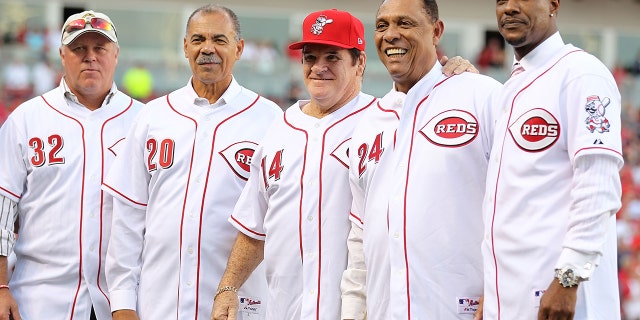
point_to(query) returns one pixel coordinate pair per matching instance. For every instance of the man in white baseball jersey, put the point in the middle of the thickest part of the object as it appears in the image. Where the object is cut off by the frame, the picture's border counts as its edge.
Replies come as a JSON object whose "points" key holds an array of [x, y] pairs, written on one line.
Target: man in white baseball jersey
{"points": [[553, 185], [294, 211], [54, 152], [184, 165], [417, 168]]}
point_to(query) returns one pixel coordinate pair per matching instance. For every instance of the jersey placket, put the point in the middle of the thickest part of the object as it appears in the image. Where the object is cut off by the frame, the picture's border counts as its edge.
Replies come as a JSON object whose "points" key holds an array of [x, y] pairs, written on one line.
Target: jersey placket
{"points": [[310, 225], [397, 202], [91, 204], [191, 222]]}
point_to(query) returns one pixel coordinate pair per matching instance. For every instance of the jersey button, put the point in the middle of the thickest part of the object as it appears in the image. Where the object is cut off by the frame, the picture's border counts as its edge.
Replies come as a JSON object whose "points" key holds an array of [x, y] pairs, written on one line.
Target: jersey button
{"points": [[310, 218]]}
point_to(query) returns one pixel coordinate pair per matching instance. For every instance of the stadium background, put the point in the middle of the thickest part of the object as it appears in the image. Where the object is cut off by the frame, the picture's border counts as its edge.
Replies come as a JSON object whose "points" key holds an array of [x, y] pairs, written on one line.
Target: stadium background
{"points": [[150, 35]]}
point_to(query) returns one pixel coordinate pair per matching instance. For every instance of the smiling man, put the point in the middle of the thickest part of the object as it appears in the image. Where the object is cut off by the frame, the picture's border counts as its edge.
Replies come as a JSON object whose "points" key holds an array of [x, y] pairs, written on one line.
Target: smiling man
{"points": [[54, 152], [417, 170], [294, 211], [183, 167]]}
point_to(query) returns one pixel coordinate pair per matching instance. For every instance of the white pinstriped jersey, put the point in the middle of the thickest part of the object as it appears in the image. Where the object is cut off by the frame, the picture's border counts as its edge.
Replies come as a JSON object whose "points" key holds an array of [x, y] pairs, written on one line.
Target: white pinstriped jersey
{"points": [[563, 106], [419, 202], [297, 200], [53, 157], [184, 167]]}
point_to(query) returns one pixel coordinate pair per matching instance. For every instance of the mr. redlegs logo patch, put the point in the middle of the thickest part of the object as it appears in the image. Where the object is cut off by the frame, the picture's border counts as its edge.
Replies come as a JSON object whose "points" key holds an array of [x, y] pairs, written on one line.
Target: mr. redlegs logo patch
{"points": [[238, 156], [536, 130], [451, 128]]}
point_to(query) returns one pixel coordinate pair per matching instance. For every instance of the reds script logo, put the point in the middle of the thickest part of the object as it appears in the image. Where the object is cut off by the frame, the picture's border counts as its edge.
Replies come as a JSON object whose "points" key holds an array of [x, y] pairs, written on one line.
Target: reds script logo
{"points": [[536, 130], [451, 128], [238, 156], [341, 153]]}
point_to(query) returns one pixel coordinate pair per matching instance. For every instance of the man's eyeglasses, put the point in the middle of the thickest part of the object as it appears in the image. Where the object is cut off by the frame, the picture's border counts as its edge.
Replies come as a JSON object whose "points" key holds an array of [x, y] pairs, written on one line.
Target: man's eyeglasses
{"points": [[96, 23]]}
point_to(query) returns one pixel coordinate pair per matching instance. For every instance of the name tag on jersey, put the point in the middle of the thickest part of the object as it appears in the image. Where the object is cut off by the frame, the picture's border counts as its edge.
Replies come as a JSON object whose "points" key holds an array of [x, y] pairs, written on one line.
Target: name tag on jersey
{"points": [[250, 306], [468, 304]]}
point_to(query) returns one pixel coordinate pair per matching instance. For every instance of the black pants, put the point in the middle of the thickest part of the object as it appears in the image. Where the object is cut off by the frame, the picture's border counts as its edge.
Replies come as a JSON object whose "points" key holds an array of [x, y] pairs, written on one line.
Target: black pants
{"points": [[93, 315]]}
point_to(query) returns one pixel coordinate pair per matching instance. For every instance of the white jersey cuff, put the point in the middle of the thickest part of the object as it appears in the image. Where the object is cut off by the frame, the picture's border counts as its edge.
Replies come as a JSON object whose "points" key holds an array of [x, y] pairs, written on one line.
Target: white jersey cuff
{"points": [[583, 264], [123, 300]]}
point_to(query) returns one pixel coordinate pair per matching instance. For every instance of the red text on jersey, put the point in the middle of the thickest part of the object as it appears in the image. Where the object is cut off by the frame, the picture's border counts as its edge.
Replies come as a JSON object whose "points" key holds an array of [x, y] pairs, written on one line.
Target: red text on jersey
{"points": [[238, 156], [366, 154], [451, 128], [165, 152], [275, 168], [39, 158], [535, 130]]}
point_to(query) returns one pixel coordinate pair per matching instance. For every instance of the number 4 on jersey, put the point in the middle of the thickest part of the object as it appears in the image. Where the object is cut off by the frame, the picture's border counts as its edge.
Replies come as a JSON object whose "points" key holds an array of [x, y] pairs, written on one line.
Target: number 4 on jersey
{"points": [[368, 154], [275, 169]]}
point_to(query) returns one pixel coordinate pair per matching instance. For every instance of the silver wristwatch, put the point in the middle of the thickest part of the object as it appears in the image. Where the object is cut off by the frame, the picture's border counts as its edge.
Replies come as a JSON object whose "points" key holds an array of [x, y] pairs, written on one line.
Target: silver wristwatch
{"points": [[567, 277]]}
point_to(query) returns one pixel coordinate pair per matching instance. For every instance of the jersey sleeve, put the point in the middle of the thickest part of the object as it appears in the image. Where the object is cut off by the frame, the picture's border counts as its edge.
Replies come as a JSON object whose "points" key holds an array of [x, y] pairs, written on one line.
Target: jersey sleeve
{"points": [[8, 214], [124, 255], [353, 283], [128, 178], [593, 106], [251, 208], [13, 152], [595, 198]]}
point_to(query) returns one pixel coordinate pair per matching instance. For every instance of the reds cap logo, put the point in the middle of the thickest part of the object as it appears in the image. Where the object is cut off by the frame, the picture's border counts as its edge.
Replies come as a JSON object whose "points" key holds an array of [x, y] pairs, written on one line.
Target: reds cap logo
{"points": [[341, 153], [238, 156], [321, 21], [536, 130], [452, 128]]}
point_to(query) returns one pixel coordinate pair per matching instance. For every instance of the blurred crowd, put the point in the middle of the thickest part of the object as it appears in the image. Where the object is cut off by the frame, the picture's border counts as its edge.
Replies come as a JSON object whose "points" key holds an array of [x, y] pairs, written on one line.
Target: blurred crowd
{"points": [[26, 67], [29, 66], [629, 215]]}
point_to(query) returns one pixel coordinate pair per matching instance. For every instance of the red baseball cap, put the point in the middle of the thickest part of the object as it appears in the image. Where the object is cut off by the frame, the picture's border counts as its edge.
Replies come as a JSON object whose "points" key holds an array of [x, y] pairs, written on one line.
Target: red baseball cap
{"points": [[332, 27]]}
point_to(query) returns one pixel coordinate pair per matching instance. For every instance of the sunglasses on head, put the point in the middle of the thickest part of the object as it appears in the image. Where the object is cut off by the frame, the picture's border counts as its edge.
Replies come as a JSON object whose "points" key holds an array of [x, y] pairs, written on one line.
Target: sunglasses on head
{"points": [[96, 23]]}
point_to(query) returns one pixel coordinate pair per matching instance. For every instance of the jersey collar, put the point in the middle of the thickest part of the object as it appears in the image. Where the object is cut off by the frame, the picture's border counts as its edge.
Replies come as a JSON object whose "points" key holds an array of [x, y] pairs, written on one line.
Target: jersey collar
{"points": [[73, 98], [231, 93], [542, 53]]}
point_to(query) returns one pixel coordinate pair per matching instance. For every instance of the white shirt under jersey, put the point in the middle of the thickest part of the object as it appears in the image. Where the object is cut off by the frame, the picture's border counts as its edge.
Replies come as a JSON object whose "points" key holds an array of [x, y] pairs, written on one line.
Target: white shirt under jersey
{"points": [[54, 154], [417, 175], [543, 209], [184, 165], [297, 200]]}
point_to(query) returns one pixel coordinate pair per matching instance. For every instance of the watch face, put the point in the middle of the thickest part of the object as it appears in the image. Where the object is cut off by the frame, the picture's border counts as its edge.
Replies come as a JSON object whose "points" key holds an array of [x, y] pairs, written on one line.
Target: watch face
{"points": [[567, 277]]}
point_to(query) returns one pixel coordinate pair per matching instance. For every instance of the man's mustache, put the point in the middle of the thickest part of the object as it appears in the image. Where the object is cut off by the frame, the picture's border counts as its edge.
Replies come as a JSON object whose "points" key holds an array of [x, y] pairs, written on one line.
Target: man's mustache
{"points": [[208, 59]]}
